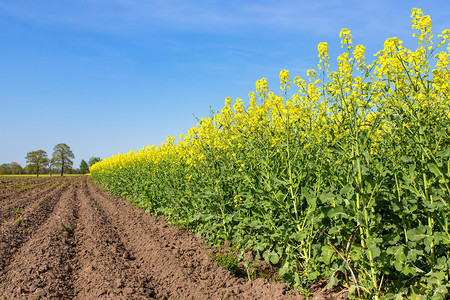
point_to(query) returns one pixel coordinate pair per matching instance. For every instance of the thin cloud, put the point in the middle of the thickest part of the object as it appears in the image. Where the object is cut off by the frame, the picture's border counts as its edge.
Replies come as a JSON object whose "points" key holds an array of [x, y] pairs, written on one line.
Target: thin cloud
{"points": [[200, 16]]}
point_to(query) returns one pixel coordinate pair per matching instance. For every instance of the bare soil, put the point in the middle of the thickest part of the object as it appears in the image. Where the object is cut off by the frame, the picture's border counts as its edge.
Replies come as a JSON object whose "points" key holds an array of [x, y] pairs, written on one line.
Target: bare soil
{"points": [[66, 238]]}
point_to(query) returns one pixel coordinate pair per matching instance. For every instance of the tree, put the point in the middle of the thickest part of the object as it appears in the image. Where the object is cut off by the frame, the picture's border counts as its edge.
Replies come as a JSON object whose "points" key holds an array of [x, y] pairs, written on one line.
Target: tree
{"points": [[29, 169], [16, 168], [84, 167], [93, 160], [62, 157], [5, 169], [36, 160], [51, 163]]}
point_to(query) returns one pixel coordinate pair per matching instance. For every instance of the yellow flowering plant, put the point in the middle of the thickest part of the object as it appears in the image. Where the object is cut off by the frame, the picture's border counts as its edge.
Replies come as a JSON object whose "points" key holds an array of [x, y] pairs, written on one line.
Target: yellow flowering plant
{"points": [[346, 180]]}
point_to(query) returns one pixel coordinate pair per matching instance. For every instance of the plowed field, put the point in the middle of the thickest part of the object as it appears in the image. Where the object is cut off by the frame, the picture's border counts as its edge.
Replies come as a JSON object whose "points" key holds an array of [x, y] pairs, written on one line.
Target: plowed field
{"points": [[65, 238]]}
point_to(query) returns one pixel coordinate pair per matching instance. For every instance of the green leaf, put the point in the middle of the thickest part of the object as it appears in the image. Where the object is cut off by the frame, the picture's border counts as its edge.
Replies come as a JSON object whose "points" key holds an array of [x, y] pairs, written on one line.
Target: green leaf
{"points": [[441, 237], [285, 269], [367, 156], [375, 250], [327, 197], [312, 201], [363, 167], [409, 188], [434, 169], [368, 185], [400, 257], [346, 189], [398, 266], [442, 133], [406, 159], [406, 270], [327, 254], [413, 254], [300, 236], [297, 278], [313, 275], [334, 230], [417, 234], [399, 296], [444, 153], [428, 241], [337, 211], [336, 150], [333, 281], [274, 179], [274, 258]]}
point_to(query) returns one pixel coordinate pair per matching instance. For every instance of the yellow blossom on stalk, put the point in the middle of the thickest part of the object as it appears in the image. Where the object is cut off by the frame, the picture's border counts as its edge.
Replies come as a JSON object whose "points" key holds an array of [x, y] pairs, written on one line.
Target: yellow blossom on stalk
{"points": [[390, 59], [346, 37], [312, 95], [284, 75], [391, 44], [311, 73], [300, 83], [284, 79], [445, 38], [323, 51], [251, 96], [442, 60], [323, 55], [262, 88], [422, 24], [344, 66], [239, 106], [441, 75], [359, 53], [261, 85]]}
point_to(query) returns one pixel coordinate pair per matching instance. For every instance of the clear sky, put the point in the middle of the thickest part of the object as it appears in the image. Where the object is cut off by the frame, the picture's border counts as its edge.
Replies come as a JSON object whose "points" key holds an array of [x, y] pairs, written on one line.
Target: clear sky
{"points": [[109, 76]]}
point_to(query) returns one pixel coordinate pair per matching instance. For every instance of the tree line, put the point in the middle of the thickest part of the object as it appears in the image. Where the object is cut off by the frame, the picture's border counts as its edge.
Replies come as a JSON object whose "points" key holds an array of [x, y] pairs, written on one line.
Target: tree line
{"points": [[38, 162]]}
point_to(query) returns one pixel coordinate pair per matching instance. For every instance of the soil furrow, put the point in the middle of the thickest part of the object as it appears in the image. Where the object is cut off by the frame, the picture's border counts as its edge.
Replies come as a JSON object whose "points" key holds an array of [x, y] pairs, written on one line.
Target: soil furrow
{"points": [[14, 234], [13, 207], [106, 268], [8, 188], [41, 268]]}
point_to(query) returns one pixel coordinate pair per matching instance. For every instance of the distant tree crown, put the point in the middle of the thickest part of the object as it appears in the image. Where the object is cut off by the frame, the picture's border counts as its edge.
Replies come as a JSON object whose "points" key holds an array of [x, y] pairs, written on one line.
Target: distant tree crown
{"points": [[62, 157]]}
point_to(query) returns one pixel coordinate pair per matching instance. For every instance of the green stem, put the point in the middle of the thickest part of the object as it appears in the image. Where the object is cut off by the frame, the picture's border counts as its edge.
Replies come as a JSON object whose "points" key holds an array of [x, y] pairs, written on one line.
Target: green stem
{"points": [[429, 199], [361, 230], [291, 181], [291, 190], [358, 194], [399, 201], [223, 221], [366, 216]]}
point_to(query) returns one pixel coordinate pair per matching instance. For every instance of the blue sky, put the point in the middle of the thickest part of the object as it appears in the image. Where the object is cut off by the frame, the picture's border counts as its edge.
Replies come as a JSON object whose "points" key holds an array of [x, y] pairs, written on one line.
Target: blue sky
{"points": [[109, 76]]}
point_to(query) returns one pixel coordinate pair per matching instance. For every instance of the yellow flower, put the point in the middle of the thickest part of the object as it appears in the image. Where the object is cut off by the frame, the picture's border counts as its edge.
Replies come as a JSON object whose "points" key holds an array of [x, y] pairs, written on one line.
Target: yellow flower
{"points": [[358, 53], [346, 37], [284, 80], [261, 85], [323, 51], [284, 75]]}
